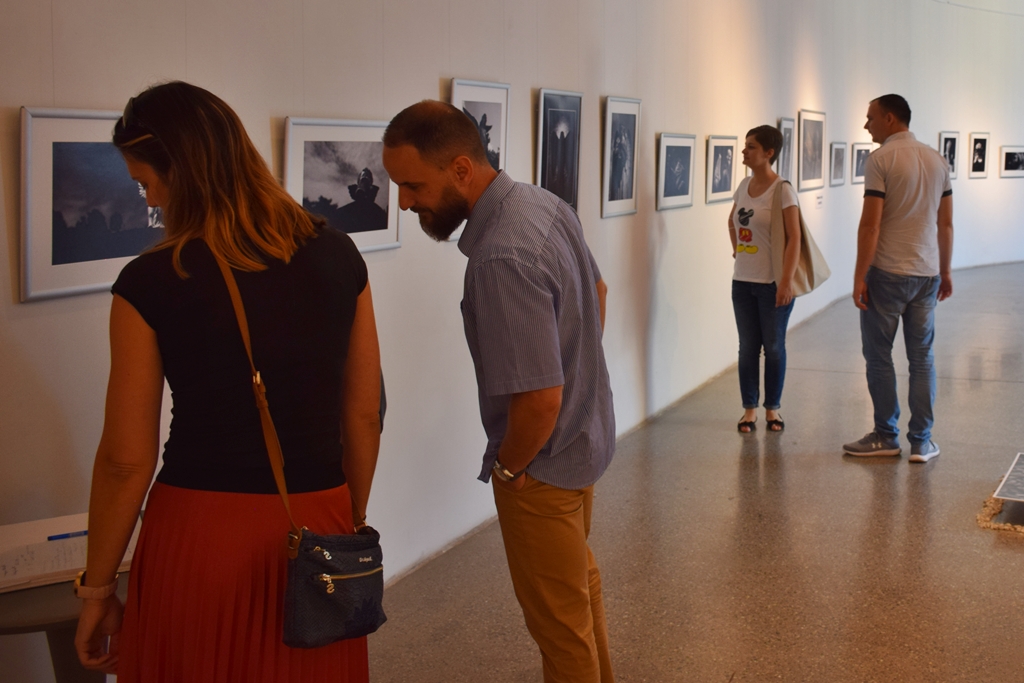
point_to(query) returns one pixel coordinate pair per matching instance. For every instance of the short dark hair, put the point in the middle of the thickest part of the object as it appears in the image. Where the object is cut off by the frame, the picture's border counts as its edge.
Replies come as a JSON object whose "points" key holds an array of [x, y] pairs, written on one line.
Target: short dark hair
{"points": [[769, 137], [438, 131], [895, 105]]}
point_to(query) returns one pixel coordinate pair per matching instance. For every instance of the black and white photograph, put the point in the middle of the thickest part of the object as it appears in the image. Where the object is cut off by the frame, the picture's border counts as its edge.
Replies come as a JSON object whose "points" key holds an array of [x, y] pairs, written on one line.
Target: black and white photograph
{"points": [[621, 132], [784, 164], [676, 154], [83, 217], [721, 159], [334, 169], [487, 105], [949, 146], [978, 164], [838, 155], [486, 116], [99, 212], [341, 182], [1011, 161], [859, 152], [558, 143], [811, 166]]}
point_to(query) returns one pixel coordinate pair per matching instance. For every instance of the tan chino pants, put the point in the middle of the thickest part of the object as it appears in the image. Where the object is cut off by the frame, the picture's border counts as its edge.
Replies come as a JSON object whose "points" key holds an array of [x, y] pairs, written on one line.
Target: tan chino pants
{"points": [[556, 579]]}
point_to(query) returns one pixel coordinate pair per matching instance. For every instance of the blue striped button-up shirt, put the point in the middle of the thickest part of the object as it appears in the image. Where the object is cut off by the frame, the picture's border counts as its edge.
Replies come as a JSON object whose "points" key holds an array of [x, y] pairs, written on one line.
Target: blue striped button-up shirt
{"points": [[533, 321]]}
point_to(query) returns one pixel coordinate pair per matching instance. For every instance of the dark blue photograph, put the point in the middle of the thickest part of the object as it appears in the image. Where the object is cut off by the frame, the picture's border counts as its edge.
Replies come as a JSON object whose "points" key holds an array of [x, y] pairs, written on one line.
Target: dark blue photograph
{"points": [[99, 212]]}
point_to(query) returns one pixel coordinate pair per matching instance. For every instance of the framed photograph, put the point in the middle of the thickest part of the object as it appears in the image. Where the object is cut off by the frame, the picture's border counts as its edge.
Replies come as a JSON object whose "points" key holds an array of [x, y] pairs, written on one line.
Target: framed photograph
{"points": [[949, 145], [83, 218], [721, 158], [334, 169], [858, 161], [486, 104], [676, 157], [558, 143], [811, 167], [784, 164], [1011, 161], [838, 174], [979, 156], [621, 133]]}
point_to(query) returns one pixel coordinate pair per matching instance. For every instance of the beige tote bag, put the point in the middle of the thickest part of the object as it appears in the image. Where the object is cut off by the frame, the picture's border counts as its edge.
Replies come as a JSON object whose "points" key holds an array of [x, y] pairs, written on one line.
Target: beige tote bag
{"points": [[812, 269]]}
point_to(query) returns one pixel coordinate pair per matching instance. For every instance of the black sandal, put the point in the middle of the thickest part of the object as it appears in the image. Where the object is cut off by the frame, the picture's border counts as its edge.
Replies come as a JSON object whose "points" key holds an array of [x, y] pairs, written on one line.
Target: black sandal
{"points": [[750, 427], [776, 425]]}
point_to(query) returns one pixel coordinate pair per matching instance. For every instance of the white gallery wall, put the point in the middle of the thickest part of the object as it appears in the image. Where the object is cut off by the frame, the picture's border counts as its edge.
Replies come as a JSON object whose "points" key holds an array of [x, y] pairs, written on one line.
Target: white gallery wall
{"points": [[704, 68]]}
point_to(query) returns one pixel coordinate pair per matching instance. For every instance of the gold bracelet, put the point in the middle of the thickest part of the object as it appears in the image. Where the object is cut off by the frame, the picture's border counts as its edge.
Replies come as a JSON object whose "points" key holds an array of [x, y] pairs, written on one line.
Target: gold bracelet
{"points": [[92, 593]]}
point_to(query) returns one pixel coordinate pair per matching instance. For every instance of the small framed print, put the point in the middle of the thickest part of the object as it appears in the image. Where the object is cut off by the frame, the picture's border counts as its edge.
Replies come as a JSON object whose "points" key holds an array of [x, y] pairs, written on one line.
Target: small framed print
{"points": [[978, 167], [859, 152], [784, 164], [333, 168], [811, 171], [721, 158], [1011, 161], [949, 147], [621, 132], [486, 104], [558, 143], [83, 218], [838, 156], [676, 157]]}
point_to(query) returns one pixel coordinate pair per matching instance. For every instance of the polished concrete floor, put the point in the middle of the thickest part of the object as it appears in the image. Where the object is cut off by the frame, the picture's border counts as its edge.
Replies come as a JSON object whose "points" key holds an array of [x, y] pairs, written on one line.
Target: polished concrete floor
{"points": [[773, 557]]}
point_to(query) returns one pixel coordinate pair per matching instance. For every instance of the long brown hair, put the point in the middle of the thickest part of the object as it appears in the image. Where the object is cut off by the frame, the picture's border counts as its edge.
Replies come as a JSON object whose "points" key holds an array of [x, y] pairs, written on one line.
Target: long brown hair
{"points": [[220, 189]]}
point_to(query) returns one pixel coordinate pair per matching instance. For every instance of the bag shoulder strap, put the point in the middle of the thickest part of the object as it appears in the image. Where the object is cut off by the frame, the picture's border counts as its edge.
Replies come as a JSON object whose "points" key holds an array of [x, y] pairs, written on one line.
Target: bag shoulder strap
{"points": [[260, 392]]}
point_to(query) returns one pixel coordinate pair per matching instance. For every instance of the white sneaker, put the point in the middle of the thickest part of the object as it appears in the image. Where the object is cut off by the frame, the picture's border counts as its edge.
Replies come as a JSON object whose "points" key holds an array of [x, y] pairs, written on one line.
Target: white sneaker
{"points": [[923, 452]]}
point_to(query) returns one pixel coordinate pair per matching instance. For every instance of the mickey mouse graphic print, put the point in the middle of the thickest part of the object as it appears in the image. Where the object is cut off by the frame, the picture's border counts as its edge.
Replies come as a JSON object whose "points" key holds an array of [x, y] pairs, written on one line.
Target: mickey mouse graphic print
{"points": [[752, 217]]}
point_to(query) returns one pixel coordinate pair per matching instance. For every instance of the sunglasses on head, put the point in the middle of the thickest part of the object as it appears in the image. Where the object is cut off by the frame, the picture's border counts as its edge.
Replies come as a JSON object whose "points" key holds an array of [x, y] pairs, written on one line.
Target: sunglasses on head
{"points": [[130, 120]]}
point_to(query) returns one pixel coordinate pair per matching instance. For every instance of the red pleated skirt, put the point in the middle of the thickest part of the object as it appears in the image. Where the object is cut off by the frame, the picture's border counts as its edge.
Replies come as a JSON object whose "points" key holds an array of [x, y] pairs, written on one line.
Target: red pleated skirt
{"points": [[206, 591]]}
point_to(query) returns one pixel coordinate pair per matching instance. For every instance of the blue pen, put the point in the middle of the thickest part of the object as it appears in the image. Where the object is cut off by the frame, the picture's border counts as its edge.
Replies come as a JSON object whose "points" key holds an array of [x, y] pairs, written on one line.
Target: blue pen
{"points": [[73, 534]]}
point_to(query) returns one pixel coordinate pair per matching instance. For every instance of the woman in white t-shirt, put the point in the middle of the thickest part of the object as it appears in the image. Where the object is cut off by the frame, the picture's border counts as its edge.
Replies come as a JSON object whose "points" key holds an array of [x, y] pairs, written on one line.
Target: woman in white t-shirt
{"points": [[761, 298]]}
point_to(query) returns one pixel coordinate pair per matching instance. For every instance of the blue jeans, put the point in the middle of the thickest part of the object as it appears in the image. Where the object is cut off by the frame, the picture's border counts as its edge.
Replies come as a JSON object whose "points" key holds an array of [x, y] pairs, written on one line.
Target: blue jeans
{"points": [[760, 325], [891, 297]]}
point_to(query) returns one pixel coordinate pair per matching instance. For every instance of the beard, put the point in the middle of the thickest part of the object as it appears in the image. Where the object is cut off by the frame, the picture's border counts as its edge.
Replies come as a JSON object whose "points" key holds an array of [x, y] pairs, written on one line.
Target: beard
{"points": [[441, 222]]}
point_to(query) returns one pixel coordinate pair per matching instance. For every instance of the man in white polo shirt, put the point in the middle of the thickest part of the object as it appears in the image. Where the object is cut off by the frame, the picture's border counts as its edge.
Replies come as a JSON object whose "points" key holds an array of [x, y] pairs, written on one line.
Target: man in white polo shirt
{"points": [[904, 249]]}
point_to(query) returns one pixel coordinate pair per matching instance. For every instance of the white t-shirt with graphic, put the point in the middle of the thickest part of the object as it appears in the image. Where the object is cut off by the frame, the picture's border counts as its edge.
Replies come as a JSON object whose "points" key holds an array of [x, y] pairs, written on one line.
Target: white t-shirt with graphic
{"points": [[752, 219]]}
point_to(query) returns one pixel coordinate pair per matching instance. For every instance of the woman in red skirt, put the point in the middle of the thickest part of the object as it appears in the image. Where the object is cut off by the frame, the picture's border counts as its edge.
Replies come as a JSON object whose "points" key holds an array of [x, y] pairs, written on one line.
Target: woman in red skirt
{"points": [[206, 593]]}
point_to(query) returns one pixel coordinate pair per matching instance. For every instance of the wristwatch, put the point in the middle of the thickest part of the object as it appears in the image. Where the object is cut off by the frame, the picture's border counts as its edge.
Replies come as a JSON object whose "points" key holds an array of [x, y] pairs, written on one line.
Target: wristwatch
{"points": [[502, 473], [91, 593]]}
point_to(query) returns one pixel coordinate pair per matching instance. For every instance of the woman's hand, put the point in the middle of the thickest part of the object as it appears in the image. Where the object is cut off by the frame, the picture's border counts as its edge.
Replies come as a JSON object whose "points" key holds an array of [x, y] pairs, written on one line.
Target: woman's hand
{"points": [[98, 621], [783, 294]]}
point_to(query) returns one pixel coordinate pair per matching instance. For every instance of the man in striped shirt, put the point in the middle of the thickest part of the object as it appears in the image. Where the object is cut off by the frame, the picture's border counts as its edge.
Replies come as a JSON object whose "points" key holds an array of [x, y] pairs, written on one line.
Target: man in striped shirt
{"points": [[533, 309]]}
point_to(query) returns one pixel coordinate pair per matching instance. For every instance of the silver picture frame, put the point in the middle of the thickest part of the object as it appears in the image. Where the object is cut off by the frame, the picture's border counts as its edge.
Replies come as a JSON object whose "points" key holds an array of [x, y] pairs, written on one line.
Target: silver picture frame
{"points": [[83, 218], [621, 153], [720, 162], [811, 155], [677, 161], [333, 168]]}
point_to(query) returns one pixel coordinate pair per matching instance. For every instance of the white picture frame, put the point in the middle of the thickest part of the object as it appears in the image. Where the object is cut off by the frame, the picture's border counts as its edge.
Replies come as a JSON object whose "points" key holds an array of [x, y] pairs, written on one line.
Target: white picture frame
{"points": [[837, 164], [621, 152], [559, 117], [811, 157], [1011, 161], [677, 159], [949, 148], [327, 158], [74, 188], [784, 165], [979, 152], [720, 162], [859, 152]]}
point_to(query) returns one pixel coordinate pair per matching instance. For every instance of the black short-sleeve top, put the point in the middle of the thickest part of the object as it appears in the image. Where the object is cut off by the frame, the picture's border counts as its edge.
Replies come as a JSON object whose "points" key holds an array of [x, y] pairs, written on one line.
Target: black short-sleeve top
{"points": [[300, 317]]}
